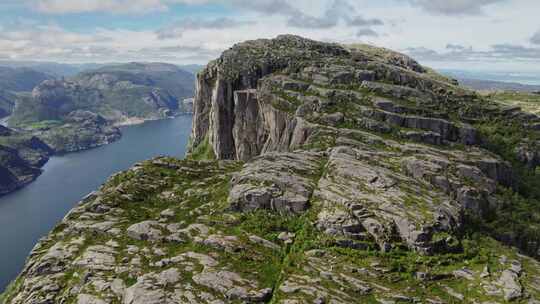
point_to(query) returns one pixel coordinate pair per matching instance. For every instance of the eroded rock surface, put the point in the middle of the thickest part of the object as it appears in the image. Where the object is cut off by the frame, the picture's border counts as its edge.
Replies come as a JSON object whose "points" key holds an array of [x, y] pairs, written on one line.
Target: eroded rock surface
{"points": [[341, 175]]}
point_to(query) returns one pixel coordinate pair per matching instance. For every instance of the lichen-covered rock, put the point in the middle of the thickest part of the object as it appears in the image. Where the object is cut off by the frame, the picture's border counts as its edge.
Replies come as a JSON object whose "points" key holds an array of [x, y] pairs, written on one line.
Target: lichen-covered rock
{"points": [[147, 230], [340, 175], [279, 182]]}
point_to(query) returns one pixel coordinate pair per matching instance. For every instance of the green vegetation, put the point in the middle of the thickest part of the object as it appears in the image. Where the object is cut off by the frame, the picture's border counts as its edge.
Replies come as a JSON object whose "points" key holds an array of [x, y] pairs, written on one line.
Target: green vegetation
{"points": [[44, 124], [369, 217], [528, 102], [517, 214], [203, 151], [20, 79], [116, 92]]}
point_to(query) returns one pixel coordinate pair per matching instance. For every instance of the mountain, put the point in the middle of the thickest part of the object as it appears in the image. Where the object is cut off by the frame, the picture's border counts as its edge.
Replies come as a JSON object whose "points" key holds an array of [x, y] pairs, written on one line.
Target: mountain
{"points": [[79, 130], [69, 70], [7, 103], [111, 95], [318, 173], [14, 80], [119, 93], [21, 157], [192, 68], [20, 79], [496, 80], [52, 68], [529, 102], [490, 85]]}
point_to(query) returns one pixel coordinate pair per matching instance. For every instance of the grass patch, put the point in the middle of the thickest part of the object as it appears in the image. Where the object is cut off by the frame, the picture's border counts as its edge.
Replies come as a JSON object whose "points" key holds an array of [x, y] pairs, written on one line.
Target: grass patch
{"points": [[203, 151]]}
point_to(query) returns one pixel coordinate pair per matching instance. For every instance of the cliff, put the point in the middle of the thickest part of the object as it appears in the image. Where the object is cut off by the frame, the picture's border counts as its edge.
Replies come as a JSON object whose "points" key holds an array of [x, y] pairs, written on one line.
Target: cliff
{"points": [[341, 174], [21, 157]]}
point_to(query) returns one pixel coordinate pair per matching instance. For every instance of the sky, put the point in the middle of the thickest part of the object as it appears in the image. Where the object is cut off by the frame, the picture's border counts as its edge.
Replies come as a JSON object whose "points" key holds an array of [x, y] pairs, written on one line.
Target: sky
{"points": [[461, 34]]}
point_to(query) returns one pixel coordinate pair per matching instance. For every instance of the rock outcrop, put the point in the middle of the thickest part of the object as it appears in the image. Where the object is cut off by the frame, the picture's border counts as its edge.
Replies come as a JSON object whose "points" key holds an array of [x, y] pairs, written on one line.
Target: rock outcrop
{"points": [[339, 175], [21, 157], [81, 130]]}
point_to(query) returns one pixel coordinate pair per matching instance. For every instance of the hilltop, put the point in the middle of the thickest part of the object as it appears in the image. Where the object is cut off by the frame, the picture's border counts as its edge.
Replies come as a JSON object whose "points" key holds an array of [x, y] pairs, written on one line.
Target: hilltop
{"points": [[318, 173]]}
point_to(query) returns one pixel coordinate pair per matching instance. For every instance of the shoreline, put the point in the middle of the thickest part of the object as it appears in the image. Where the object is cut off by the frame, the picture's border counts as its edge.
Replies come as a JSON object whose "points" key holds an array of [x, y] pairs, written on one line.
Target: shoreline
{"points": [[128, 123], [137, 120], [155, 137]]}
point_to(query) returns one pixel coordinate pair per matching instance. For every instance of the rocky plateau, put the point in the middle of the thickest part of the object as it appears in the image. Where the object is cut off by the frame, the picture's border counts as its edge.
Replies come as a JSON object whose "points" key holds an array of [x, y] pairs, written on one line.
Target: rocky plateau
{"points": [[317, 173]]}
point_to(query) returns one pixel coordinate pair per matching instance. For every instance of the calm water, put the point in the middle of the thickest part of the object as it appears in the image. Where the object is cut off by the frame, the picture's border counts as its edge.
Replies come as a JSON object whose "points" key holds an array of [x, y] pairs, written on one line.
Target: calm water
{"points": [[30, 213]]}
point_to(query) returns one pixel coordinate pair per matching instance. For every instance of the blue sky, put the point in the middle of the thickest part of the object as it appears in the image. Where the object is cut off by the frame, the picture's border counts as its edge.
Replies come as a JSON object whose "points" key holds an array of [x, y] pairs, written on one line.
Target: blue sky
{"points": [[483, 34]]}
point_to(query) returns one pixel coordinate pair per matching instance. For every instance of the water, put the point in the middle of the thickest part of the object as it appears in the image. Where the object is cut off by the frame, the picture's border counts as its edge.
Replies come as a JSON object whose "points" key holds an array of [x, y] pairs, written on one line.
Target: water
{"points": [[30, 213]]}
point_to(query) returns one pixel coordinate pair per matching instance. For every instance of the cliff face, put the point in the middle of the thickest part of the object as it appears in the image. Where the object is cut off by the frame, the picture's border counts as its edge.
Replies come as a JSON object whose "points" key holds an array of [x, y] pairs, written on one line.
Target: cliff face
{"points": [[240, 68], [342, 175], [307, 69], [7, 102], [21, 157]]}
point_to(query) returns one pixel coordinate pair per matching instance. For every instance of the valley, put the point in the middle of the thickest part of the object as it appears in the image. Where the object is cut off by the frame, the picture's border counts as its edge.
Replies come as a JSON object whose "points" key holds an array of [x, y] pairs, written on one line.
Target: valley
{"points": [[49, 115]]}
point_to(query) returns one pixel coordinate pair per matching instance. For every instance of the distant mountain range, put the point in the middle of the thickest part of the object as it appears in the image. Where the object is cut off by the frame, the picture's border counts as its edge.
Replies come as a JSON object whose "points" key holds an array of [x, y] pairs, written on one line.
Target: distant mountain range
{"points": [[52, 68], [17, 79], [68, 70], [119, 91], [496, 80], [53, 111], [21, 79]]}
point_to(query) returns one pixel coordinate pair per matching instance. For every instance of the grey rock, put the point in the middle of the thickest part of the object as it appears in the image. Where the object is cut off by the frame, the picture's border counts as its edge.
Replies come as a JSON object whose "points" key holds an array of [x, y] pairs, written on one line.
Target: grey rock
{"points": [[89, 299], [147, 230]]}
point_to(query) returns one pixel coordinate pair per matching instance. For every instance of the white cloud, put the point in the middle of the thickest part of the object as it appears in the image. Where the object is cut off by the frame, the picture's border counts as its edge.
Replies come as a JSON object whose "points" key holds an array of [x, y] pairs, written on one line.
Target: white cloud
{"points": [[52, 43], [82, 6], [177, 29], [535, 39], [454, 7], [468, 29], [144, 6]]}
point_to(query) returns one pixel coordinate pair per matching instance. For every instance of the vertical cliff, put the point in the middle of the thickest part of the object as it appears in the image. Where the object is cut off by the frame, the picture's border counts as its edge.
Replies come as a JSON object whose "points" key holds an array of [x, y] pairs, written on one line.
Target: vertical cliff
{"points": [[238, 70]]}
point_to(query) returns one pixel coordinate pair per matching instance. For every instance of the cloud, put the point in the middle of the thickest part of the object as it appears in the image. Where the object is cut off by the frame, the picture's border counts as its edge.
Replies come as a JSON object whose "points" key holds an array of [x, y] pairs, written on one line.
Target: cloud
{"points": [[310, 22], [495, 53], [518, 52], [34, 42], [454, 7], [367, 32], [177, 29], [144, 6], [85, 6], [535, 39], [185, 54], [339, 11], [456, 47], [269, 7], [361, 21]]}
